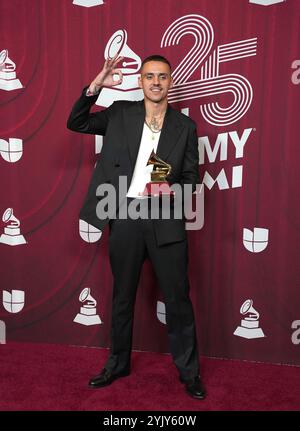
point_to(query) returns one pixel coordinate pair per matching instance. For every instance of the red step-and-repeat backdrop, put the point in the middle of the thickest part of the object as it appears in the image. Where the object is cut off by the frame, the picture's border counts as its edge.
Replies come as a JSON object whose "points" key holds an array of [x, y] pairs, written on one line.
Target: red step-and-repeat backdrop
{"points": [[236, 69]]}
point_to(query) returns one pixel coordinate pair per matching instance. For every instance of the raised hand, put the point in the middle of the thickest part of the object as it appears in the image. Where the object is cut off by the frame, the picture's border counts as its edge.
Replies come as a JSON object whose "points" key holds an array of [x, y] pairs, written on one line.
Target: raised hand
{"points": [[106, 77]]}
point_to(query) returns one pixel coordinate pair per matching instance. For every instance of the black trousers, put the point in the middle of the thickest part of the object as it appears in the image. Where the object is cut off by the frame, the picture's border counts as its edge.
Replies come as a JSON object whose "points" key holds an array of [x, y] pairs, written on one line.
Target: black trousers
{"points": [[130, 243]]}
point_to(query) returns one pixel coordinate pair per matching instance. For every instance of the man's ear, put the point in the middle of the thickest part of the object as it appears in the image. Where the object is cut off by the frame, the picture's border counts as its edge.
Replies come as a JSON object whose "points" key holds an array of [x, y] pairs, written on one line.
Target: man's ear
{"points": [[171, 83], [140, 81]]}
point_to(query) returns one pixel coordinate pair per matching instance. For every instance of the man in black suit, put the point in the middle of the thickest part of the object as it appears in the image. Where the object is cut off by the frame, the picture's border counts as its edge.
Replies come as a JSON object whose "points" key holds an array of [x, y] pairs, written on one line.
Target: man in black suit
{"points": [[132, 130]]}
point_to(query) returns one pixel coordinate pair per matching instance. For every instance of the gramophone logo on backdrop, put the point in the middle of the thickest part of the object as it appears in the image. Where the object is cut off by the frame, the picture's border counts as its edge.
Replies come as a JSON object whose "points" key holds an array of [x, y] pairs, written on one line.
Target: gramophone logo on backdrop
{"points": [[11, 150], [88, 313], [13, 302], [88, 3], [88, 232], [12, 234], [128, 89], [8, 77], [249, 327], [266, 2], [256, 240]]}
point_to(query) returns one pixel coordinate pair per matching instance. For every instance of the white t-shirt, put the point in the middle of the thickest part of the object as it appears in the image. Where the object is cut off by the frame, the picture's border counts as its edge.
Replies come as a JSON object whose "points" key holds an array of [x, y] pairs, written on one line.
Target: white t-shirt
{"points": [[142, 172]]}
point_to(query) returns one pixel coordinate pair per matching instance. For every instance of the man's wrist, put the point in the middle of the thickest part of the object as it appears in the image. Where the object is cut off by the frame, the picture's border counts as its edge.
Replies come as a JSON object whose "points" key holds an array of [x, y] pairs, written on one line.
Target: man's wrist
{"points": [[93, 90]]}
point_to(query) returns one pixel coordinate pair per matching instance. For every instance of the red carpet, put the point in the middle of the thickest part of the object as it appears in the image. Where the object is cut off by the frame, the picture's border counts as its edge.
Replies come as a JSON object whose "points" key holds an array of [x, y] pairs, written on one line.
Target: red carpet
{"points": [[54, 377]]}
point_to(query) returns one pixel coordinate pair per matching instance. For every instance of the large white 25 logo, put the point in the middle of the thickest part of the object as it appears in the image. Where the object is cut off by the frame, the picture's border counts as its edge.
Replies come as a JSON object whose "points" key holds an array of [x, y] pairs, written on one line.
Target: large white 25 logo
{"points": [[211, 82]]}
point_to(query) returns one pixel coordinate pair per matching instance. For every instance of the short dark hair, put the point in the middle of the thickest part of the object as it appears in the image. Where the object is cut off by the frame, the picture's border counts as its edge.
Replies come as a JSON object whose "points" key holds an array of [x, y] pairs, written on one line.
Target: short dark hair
{"points": [[156, 57]]}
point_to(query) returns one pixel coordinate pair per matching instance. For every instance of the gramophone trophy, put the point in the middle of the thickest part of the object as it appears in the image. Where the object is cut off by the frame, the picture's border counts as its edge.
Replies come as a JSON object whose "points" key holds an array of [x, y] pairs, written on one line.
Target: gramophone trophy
{"points": [[158, 185]]}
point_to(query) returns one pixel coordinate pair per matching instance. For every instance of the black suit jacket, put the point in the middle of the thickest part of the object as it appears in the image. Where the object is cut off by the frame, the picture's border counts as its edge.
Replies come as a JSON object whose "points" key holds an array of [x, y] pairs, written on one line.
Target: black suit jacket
{"points": [[122, 125]]}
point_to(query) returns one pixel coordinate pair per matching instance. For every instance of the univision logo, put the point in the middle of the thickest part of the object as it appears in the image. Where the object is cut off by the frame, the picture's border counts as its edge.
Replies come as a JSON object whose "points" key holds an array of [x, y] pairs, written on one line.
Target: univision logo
{"points": [[2, 332], [11, 150], [161, 312], [13, 302], [88, 232], [257, 240]]}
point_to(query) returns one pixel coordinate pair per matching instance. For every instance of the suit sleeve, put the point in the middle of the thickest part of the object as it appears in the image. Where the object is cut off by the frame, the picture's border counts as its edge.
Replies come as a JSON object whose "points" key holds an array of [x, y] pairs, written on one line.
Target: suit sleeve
{"points": [[81, 120], [190, 166]]}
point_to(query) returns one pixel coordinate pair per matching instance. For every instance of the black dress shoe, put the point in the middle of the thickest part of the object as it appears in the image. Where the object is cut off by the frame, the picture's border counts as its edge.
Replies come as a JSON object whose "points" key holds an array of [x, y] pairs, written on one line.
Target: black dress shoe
{"points": [[105, 378], [195, 388]]}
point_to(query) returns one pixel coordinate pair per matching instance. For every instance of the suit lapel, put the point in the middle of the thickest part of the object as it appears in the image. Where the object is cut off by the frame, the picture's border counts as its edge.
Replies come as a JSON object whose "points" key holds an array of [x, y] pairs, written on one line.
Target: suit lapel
{"points": [[134, 123], [170, 133]]}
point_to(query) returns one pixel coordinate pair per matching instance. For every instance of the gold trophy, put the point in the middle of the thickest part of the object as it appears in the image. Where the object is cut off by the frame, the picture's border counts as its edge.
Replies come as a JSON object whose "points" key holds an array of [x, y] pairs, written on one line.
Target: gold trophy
{"points": [[158, 185]]}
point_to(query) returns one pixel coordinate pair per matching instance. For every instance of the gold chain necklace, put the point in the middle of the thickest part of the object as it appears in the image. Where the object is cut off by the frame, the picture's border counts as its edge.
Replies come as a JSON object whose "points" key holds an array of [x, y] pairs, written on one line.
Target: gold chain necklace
{"points": [[153, 131], [154, 126]]}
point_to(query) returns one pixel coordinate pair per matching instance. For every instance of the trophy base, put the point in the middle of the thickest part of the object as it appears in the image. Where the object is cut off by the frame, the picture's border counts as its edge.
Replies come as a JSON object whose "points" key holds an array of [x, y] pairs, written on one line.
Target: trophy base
{"points": [[8, 85], [249, 332], [12, 239], [87, 320], [158, 188]]}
